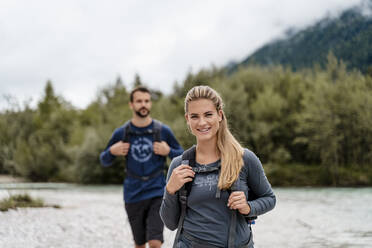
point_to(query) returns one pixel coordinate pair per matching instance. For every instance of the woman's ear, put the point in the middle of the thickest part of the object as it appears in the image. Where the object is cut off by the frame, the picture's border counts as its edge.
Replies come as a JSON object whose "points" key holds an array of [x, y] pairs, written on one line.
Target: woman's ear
{"points": [[220, 115], [187, 118]]}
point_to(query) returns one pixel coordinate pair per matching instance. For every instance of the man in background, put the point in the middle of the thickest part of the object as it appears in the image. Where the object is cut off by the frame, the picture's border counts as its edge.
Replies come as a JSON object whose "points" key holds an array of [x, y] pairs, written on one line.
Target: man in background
{"points": [[146, 143]]}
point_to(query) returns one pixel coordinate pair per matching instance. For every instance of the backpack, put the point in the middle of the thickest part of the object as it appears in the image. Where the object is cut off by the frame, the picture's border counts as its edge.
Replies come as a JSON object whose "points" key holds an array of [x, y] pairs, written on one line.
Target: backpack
{"points": [[155, 131], [189, 157]]}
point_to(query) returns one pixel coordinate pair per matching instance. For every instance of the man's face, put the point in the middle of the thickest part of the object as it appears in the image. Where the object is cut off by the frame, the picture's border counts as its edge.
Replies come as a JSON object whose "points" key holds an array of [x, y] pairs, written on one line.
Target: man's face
{"points": [[141, 104]]}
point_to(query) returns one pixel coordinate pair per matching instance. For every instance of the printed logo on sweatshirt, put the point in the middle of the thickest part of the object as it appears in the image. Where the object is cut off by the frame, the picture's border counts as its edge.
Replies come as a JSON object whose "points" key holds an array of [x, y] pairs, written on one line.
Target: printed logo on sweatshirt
{"points": [[206, 181], [141, 149]]}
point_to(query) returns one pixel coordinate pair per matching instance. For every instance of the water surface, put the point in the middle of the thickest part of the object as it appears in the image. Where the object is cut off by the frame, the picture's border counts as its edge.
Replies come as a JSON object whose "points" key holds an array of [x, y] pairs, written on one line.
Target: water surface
{"points": [[94, 216]]}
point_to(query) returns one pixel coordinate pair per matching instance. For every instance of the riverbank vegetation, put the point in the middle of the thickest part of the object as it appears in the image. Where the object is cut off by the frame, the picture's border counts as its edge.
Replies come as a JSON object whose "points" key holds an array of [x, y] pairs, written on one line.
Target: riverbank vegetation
{"points": [[22, 201], [308, 127]]}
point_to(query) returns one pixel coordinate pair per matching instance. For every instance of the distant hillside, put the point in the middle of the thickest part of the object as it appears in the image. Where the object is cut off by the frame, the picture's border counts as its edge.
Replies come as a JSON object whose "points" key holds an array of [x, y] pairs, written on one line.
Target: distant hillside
{"points": [[348, 36]]}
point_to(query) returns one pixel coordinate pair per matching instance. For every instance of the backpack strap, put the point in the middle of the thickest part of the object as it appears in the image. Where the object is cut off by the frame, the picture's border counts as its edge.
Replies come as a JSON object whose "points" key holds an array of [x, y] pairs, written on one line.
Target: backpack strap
{"points": [[157, 130], [127, 132], [234, 213], [188, 157]]}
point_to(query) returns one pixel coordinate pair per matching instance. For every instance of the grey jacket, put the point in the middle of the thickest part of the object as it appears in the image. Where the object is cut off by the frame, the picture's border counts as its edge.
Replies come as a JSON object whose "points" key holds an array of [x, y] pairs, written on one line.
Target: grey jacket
{"points": [[208, 218]]}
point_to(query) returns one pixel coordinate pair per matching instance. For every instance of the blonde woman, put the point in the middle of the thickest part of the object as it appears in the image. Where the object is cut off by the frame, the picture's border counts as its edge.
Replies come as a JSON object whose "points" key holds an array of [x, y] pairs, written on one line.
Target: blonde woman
{"points": [[208, 197]]}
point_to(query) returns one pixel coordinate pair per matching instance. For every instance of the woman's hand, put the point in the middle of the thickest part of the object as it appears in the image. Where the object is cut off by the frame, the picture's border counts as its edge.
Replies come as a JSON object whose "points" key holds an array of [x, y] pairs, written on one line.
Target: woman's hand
{"points": [[238, 201], [180, 175]]}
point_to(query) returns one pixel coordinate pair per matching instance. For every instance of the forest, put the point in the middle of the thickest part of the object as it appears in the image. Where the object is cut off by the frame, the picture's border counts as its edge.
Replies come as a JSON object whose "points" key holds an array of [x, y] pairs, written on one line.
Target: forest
{"points": [[348, 36], [309, 127]]}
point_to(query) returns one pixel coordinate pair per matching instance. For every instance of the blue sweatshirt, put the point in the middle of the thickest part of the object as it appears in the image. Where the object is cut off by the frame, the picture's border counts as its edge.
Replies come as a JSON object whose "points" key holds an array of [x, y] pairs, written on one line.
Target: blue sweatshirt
{"points": [[142, 161]]}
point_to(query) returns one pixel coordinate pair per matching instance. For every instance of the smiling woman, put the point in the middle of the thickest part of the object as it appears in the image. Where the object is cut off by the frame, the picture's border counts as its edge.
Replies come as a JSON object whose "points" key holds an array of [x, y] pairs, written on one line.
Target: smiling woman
{"points": [[214, 189]]}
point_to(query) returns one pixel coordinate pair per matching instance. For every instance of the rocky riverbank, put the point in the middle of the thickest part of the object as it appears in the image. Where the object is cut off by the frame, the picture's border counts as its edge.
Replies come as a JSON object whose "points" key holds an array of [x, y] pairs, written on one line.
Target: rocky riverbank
{"points": [[94, 216], [11, 179]]}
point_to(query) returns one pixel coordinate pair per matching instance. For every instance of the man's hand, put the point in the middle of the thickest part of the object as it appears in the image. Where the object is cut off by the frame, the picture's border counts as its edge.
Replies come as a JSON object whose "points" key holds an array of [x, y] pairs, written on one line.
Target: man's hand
{"points": [[238, 201], [161, 148], [120, 149]]}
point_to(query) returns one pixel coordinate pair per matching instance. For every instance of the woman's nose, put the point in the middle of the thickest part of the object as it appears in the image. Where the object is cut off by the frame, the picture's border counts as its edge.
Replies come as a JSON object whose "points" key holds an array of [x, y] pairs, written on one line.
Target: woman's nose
{"points": [[201, 121]]}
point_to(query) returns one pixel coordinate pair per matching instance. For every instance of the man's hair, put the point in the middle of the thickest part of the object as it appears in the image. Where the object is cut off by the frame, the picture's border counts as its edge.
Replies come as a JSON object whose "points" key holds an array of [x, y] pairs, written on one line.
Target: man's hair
{"points": [[139, 88]]}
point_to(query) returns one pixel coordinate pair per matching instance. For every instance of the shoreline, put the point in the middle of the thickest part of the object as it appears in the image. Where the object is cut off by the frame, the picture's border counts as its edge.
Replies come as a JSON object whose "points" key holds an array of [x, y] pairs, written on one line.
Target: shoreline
{"points": [[4, 178], [10, 179]]}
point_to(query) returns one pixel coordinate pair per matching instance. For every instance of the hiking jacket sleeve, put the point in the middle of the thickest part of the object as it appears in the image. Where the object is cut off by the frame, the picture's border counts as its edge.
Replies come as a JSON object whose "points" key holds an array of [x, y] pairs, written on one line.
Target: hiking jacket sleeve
{"points": [[170, 209], [175, 147], [106, 158], [258, 184]]}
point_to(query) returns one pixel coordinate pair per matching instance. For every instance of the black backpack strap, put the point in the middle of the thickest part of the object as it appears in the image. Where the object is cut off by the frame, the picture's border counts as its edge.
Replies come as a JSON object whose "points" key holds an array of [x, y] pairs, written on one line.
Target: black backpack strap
{"points": [[234, 213], [188, 157], [127, 131], [157, 130], [232, 229], [182, 197]]}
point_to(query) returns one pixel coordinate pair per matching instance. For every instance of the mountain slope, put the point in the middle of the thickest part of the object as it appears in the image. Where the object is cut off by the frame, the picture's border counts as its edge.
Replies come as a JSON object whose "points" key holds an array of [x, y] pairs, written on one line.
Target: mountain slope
{"points": [[348, 37]]}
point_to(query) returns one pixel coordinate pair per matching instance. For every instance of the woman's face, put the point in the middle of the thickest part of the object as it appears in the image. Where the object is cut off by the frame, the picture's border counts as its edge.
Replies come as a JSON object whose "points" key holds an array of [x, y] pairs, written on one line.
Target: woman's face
{"points": [[203, 119]]}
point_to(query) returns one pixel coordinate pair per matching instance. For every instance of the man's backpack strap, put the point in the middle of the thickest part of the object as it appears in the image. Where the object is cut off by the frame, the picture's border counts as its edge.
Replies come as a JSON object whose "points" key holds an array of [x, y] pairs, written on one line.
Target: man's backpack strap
{"points": [[157, 130], [127, 131]]}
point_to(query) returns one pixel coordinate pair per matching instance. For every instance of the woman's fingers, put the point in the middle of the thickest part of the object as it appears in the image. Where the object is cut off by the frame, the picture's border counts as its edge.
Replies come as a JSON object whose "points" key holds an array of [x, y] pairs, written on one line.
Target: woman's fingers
{"points": [[180, 175], [188, 179], [237, 200], [184, 171], [183, 166], [240, 204]]}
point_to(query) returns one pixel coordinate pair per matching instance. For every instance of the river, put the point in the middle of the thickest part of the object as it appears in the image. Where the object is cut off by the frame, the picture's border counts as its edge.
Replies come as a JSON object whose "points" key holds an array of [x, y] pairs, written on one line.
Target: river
{"points": [[94, 216]]}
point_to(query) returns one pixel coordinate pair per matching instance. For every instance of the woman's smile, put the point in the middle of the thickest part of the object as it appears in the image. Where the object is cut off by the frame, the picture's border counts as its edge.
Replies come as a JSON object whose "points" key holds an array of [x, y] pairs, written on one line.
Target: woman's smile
{"points": [[203, 130]]}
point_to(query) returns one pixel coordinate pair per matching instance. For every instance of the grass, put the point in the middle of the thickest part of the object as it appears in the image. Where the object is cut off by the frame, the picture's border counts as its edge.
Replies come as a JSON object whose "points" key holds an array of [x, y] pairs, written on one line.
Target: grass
{"points": [[22, 201]]}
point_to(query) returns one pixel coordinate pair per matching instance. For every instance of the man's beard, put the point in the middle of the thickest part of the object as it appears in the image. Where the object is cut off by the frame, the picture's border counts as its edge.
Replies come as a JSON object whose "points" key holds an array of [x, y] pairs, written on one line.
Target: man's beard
{"points": [[138, 113]]}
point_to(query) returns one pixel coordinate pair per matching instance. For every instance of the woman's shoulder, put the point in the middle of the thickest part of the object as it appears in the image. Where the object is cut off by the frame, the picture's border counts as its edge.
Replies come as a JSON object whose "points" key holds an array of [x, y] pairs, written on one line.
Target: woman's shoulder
{"points": [[250, 159], [176, 161], [248, 154]]}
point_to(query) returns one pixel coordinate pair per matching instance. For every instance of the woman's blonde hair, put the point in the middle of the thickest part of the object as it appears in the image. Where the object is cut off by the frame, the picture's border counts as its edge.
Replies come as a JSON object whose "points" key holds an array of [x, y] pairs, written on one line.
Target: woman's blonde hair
{"points": [[228, 147]]}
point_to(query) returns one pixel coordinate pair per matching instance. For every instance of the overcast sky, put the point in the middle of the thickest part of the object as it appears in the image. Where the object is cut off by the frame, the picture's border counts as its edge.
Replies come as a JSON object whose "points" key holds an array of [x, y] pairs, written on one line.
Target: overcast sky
{"points": [[83, 45]]}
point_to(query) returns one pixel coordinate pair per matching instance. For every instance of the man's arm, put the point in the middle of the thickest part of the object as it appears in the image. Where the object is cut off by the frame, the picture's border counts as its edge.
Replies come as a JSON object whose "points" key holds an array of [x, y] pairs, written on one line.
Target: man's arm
{"points": [[107, 157], [175, 148]]}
